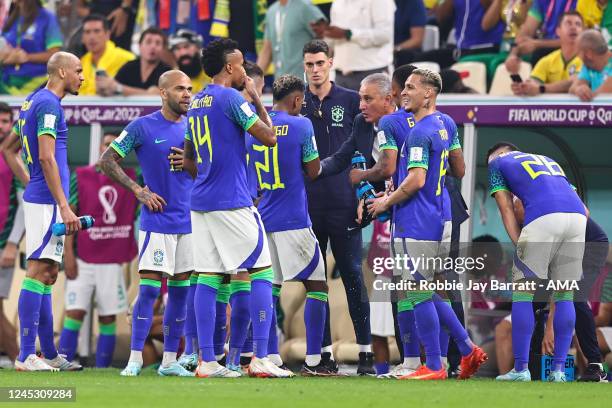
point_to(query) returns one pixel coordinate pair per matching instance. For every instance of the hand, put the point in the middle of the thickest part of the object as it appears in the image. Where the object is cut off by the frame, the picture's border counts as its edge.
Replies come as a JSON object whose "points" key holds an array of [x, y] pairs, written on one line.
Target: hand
{"points": [[584, 92], [72, 222], [70, 267], [318, 28], [359, 212], [390, 187], [9, 254], [176, 158], [153, 201], [356, 175], [14, 56], [21, 57], [335, 32], [249, 86], [526, 45], [105, 86], [378, 205], [513, 64], [118, 19], [548, 343]]}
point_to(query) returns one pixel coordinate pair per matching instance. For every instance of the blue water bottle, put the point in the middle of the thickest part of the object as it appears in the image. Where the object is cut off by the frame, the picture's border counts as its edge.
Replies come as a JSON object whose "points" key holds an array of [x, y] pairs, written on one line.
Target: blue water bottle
{"points": [[365, 190], [59, 228]]}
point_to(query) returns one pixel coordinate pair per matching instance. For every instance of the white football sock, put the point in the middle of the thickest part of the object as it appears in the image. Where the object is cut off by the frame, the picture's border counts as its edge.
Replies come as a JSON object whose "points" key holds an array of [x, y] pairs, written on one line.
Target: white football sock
{"points": [[168, 358], [136, 356], [365, 348], [412, 362], [313, 359], [276, 359]]}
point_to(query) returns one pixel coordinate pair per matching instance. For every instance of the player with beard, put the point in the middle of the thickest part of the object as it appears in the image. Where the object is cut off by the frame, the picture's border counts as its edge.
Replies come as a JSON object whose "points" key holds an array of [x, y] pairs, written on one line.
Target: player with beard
{"points": [[164, 240], [185, 46]]}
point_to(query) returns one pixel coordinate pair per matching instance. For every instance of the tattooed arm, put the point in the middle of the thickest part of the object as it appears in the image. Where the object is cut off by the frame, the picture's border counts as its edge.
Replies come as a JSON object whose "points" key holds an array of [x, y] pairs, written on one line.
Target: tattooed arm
{"points": [[109, 163]]}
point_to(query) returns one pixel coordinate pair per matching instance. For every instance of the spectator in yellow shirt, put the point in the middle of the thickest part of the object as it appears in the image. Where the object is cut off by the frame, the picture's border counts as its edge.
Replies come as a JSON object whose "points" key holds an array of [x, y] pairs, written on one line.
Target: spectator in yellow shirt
{"points": [[554, 72], [103, 58]]}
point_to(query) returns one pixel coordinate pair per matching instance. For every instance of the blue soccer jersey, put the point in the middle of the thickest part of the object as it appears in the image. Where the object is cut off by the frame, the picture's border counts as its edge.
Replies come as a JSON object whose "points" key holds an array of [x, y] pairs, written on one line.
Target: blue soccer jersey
{"points": [[393, 129], [421, 216], [151, 137], [218, 118], [454, 144], [279, 170], [42, 114], [537, 180]]}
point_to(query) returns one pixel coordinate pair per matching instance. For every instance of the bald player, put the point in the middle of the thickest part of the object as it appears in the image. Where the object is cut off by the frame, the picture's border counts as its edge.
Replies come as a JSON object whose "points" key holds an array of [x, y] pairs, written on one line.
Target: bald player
{"points": [[164, 240], [42, 130]]}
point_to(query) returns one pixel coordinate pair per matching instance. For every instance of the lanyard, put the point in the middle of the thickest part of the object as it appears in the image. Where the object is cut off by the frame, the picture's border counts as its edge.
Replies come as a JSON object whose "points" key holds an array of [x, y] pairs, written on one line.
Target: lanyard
{"points": [[551, 7]]}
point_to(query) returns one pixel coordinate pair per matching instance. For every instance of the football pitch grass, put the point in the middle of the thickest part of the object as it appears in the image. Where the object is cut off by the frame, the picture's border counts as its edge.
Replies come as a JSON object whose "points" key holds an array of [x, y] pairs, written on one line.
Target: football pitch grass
{"points": [[105, 388]]}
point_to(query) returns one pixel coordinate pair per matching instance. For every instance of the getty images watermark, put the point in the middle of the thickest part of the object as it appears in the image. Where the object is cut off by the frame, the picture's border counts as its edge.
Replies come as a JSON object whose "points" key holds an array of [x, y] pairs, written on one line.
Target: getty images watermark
{"points": [[416, 273]]}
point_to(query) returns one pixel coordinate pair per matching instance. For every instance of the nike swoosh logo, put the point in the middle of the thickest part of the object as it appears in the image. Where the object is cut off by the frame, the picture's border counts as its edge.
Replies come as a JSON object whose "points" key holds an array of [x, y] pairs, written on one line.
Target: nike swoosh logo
{"points": [[142, 318], [349, 229], [180, 320], [158, 141]]}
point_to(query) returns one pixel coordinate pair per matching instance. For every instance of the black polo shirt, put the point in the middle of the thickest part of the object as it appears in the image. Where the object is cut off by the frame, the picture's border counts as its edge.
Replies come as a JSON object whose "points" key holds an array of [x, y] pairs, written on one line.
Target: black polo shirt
{"points": [[129, 75], [338, 110]]}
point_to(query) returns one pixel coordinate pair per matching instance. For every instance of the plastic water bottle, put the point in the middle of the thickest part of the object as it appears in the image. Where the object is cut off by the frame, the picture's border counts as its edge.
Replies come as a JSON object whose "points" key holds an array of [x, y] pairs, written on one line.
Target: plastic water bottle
{"points": [[365, 190], [59, 228]]}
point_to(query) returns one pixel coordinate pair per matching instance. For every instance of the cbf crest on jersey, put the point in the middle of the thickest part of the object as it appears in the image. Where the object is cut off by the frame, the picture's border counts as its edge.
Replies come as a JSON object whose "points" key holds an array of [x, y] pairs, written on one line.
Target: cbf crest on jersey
{"points": [[337, 115]]}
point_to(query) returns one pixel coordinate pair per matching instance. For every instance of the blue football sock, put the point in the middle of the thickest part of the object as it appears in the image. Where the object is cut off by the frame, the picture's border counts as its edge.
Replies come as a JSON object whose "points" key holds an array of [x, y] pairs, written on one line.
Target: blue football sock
{"points": [[191, 328], [428, 327], [408, 329], [273, 336], [45, 326], [314, 318], [175, 314], [261, 310], [240, 301], [205, 306], [381, 368], [563, 324], [142, 316], [69, 338], [449, 320], [30, 299], [106, 345], [523, 323]]}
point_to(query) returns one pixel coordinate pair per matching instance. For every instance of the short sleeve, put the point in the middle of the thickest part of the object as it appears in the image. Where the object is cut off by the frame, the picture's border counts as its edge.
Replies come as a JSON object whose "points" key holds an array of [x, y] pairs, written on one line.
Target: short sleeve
{"points": [[385, 136], [418, 14], [497, 182], [540, 70], [188, 135], [536, 12], [451, 129], [312, 14], [128, 140], [48, 116], [239, 111], [53, 33], [309, 143], [418, 150]]}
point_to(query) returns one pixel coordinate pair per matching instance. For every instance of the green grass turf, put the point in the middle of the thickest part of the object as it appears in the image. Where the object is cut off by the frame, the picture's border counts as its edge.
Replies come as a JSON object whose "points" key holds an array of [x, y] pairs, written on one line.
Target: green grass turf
{"points": [[105, 388]]}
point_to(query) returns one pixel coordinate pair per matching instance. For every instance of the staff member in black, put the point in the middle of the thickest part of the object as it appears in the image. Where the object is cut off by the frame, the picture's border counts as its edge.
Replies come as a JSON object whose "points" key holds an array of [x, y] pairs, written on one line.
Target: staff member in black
{"points": [[332, 202]]}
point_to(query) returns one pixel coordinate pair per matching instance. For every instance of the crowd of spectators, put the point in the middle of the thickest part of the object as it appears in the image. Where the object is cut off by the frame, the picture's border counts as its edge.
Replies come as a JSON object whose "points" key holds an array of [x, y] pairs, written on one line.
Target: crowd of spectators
{"points": [[151, 36]]}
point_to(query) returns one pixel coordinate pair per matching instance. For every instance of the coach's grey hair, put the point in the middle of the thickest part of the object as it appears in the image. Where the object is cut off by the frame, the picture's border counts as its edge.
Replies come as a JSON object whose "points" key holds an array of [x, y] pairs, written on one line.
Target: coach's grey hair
{"points": [[593, 40], [430, 78], [382, 82]]}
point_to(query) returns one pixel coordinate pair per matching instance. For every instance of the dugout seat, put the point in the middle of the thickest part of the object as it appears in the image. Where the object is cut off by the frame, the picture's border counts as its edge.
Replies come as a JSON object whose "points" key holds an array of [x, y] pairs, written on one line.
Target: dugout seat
{"points": [[476, 75], [502, 81], [431, 38]]}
